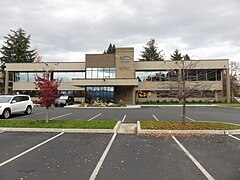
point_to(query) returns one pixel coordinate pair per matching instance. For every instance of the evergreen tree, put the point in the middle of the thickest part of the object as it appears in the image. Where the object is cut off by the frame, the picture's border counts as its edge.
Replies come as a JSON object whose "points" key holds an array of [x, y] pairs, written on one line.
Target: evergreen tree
{"points": [[176, 56], [186, 58], [111, 49], [150, 52], [17, 48]]}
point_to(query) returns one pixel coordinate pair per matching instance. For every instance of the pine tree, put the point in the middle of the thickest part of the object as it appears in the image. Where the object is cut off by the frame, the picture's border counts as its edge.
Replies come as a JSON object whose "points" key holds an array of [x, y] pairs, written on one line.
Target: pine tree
{"points": [[111, 49], [186, 57], [176, 56], [150, 52], [17, 48]]}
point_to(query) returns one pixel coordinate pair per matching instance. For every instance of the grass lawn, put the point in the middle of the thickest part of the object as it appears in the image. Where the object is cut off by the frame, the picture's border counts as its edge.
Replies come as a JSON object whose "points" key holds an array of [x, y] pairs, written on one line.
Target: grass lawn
{"points": [[177, 125], [76, 124]]}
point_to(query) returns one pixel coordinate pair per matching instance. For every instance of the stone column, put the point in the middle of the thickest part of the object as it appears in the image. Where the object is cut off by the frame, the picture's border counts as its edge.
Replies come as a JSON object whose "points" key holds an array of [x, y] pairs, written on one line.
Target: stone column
{"points": [[228, 85], [6, 81]]}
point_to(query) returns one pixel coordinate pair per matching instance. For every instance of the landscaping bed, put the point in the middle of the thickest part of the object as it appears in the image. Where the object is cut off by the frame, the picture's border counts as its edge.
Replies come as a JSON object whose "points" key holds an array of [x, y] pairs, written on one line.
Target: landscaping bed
{"points": [[177, 125], [75, 124]]}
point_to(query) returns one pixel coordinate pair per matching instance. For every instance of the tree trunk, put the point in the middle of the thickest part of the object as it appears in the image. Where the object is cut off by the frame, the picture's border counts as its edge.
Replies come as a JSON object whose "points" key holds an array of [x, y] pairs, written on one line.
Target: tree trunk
{"points": [[184, 112], [46, 115], [183, 95]]}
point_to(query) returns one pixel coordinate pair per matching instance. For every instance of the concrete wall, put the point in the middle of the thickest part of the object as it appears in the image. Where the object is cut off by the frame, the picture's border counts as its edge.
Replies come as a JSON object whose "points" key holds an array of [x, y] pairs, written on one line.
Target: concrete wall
{"points": [[125, 63], [193, 64], [31, 86], [32, 67], [100, 60]]}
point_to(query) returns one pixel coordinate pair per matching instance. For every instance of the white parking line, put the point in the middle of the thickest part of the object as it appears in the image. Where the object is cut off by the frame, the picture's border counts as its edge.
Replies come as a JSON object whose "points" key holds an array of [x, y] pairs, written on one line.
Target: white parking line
{"points": [[124, 117], [155, 118], [94, 116], [100, 162], [189, 118], [25, 152], [200, 167], [60, 116], [233, 137]]}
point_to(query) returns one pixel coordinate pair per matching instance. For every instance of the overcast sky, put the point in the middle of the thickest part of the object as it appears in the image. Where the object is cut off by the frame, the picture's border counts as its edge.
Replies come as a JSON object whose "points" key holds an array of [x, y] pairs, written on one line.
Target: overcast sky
{"points": [[66, 30]]}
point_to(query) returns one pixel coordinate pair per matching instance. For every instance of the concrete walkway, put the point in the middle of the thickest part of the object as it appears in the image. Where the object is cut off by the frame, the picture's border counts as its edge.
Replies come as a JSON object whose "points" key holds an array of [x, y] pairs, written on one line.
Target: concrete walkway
{"points": [[127, 128]]}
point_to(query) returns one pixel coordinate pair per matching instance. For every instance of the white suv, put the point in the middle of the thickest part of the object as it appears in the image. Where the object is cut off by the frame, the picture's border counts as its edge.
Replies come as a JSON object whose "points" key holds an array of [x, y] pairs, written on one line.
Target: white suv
{"points": [[13, 104]]}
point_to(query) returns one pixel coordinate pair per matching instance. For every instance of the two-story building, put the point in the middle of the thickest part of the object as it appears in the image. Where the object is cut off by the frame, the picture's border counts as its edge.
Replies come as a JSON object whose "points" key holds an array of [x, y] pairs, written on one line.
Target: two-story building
{"points": [[115, 77]]}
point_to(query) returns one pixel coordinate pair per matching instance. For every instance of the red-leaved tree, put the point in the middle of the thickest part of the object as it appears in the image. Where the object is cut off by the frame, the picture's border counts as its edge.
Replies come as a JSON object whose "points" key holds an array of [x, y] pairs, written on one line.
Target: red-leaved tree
{"points": [[47, 90]]}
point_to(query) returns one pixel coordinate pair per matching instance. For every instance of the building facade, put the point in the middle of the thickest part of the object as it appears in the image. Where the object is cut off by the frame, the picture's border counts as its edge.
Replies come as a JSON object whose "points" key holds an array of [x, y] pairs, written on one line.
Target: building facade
{"points": [[115, 77]]}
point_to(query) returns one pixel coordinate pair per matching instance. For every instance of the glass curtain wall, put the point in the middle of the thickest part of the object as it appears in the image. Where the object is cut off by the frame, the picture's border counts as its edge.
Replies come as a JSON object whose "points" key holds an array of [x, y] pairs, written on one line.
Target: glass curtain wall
{"points": [[100, 73], [67, 76], [100, 93], [172, 75], [26, 76]]}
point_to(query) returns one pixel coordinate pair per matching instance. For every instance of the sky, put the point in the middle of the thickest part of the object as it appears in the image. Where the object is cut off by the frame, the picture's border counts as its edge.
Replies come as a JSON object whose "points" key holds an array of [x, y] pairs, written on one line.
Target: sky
{"points": [[66, 30]]}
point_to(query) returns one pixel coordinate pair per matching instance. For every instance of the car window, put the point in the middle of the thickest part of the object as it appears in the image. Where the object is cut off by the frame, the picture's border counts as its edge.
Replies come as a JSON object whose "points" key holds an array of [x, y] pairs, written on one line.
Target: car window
{"points": [[5, 99], [16, 99], [23, 98]]}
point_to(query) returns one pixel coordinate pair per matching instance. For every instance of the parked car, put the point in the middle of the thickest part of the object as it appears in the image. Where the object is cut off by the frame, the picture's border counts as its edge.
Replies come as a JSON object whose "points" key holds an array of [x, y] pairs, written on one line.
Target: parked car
{"points": [[64, 101], [14, 104]]}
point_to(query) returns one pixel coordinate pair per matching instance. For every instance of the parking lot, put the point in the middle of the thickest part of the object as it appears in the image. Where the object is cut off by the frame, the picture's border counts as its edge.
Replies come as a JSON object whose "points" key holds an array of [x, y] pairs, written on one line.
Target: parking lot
{"points": [[132, 115], [121, 156]]}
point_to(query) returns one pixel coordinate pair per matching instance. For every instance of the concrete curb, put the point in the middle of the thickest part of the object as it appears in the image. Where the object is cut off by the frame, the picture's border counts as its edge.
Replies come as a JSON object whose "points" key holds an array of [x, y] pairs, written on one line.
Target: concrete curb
{"points": [[57, 130], [220, 132]]}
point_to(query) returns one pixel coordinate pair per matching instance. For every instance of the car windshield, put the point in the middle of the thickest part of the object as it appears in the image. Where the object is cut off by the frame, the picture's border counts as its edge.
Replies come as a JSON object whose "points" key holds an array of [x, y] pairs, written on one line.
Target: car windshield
{"points": [[5, 99], [63, 97]]}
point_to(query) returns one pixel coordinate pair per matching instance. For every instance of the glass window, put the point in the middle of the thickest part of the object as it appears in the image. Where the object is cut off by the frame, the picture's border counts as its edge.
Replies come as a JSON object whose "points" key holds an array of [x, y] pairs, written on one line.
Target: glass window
{"points": [[101, 93], [219, 77], [100, 73], [68, 76], [146, 76], [211, 75], [26, 76], [89, 73]]}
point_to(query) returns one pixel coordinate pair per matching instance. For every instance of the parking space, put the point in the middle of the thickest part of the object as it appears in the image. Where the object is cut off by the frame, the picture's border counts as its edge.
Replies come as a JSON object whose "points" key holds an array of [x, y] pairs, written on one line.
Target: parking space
{"points": [[15, 143], [70, 156], [140, 157], [75, 156], [220, 155], [230, 115]]}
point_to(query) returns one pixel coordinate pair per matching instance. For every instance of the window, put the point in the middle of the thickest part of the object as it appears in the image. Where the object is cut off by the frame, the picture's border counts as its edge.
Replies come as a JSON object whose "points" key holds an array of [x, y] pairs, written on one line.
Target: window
{"points": [[102, 93], [68, 76], [161, 75], [100, 73], [26, 76]]}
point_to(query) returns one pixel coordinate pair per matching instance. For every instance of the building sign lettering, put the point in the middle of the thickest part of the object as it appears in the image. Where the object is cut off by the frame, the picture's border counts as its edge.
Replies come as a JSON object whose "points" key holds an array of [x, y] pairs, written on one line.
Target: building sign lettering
{"points": [[125, 58]]}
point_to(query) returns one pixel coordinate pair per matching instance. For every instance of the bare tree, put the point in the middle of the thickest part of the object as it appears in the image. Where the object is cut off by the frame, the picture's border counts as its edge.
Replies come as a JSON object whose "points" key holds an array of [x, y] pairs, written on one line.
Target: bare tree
{"points": [[234, 81], [189, 80]]}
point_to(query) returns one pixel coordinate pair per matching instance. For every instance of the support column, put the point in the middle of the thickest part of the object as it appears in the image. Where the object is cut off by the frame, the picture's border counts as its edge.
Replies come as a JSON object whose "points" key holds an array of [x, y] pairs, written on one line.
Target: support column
{"points": [[228, 85], [6, 81], [133, 96]]}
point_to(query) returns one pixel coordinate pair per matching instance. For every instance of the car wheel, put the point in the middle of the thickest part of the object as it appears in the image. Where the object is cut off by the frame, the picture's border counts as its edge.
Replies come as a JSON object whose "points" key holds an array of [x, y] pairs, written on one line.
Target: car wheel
{"points": [[28, 110], [6, 113]]}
